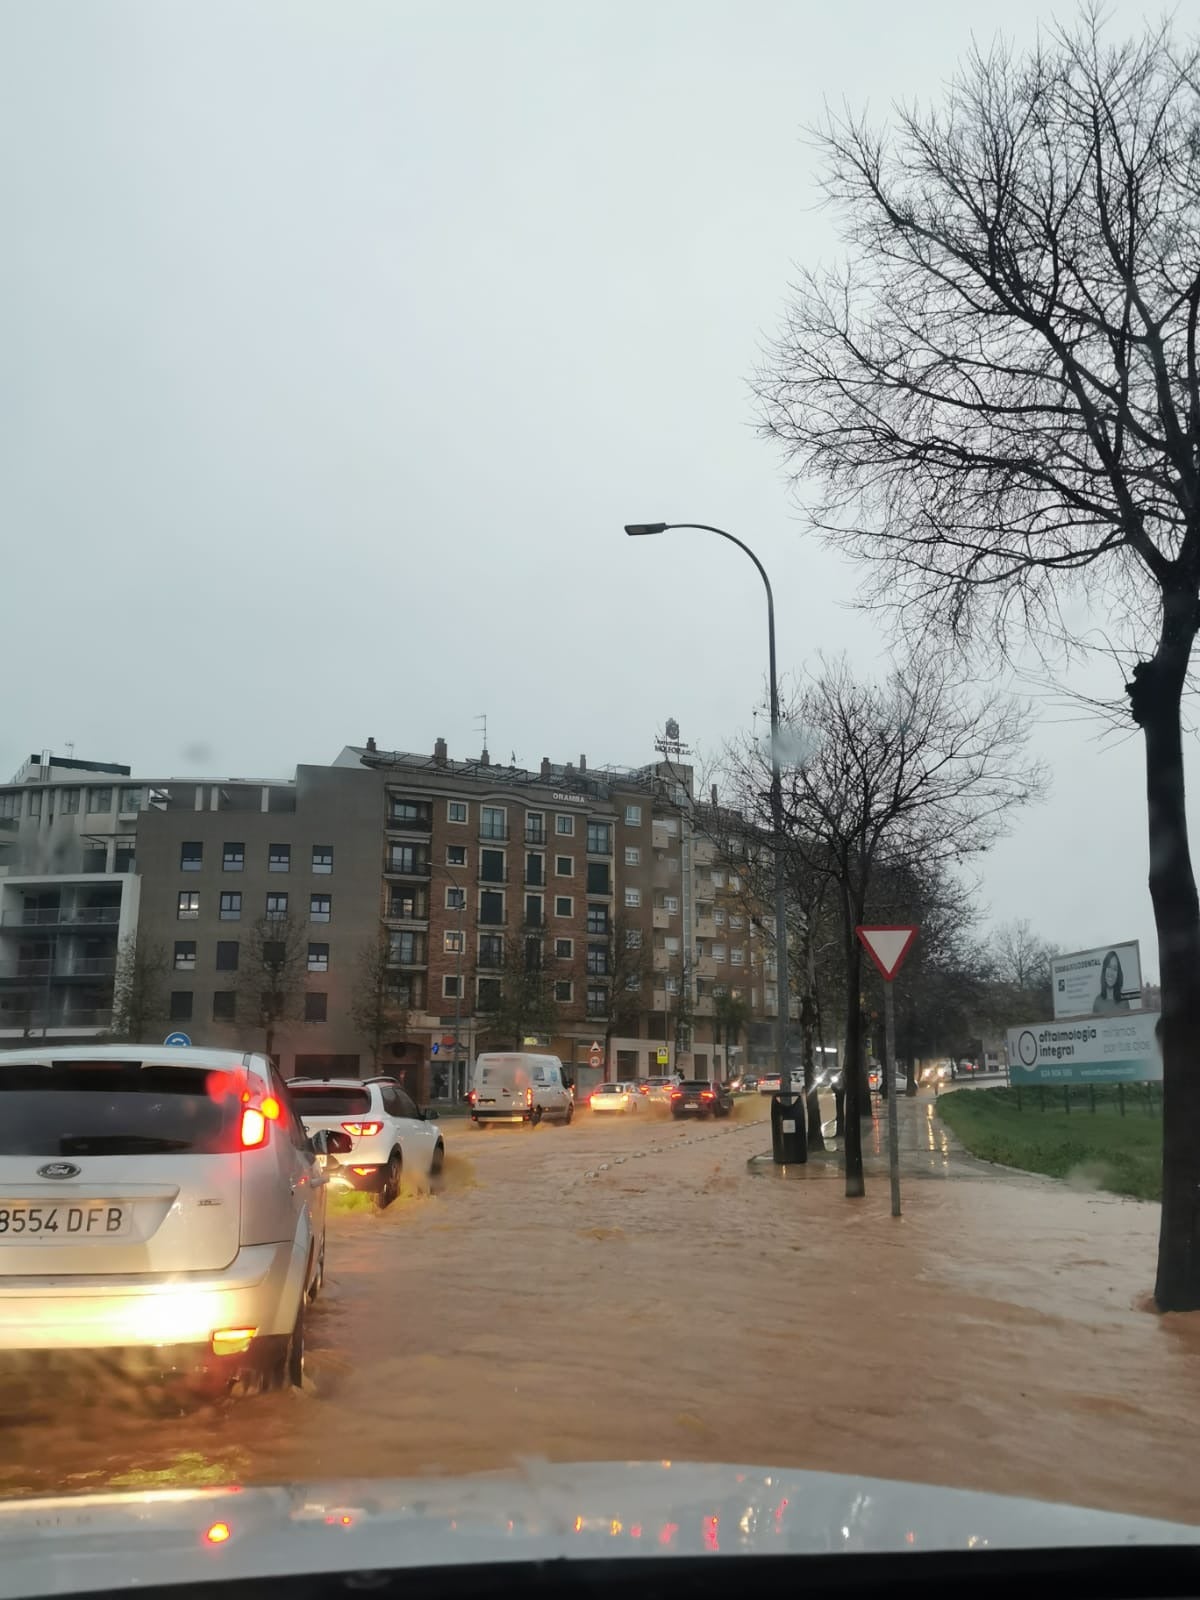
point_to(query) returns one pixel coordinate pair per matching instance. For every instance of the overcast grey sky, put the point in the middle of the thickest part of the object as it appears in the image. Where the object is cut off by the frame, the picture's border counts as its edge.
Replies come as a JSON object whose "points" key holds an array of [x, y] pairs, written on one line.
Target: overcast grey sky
{"points": [[340, 339]]}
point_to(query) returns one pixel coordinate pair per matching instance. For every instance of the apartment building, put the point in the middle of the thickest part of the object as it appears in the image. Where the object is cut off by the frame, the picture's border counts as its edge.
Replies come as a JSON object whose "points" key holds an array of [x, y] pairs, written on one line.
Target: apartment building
{"points": [[229, 866], [68, 895]]}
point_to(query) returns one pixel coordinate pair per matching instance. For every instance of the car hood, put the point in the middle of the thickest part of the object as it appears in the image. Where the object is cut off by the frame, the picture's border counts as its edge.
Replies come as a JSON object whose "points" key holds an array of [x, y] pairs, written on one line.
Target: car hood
{"points": [[615, 1510]]}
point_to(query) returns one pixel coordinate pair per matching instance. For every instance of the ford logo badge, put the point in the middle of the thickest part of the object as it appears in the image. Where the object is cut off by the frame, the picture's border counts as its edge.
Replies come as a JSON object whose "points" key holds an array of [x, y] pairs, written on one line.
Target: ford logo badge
{"points": [[58, 1169]]}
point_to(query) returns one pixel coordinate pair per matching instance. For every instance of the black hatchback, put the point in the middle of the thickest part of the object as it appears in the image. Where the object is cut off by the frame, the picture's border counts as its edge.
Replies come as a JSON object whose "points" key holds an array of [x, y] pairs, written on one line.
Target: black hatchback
{"points": [[701, 1097]]}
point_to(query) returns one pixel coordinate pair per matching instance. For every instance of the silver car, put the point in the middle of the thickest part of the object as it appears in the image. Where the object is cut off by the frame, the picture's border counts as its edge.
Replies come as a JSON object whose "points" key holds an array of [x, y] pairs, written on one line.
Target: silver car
{"points": [[159, 1201]]}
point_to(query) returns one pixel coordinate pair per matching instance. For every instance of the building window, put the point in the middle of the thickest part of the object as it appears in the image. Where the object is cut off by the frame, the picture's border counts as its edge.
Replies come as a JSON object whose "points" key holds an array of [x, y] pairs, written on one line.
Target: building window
{"points": [[279, 857], [410, 859], [564, 866], [99, 799], [68, 802], [233, 857], [456, 899], [491, 906], [718, 952], [735, 883], [10, 803], [672, 983], [736, 922], [671, 944], [318, 958], [737, 956], [181, 1005], [316, 1005], [719, 917], [493, 822], [564, 949], [277, 907], [322, 859], [535, 868], [718, 879], [491, 866], [633, 816], [597, 1002], [597, 919], [450, 987], [488, 993], [231, 906], [320, 907], [599, 838], [633, 938], [456, 811], [633, 856], [564, 991], [123, 858], [598, 880], [185, 955], [671, 903], [409, 813], [564, 905], [456, 855], [407, 948], [534, 904], [227, 955], [224, 1005], [535, 827], [35, 802], [452, 941], [132, 800], [191, 856], [633, 897], [491, 950], [633, 981], [597, 960], [187, 907], [564, 825]]}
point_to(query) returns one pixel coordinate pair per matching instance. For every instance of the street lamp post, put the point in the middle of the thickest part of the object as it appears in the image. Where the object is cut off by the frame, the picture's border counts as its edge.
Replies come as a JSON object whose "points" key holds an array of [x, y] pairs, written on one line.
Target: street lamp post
{"points": [[642, 529]]}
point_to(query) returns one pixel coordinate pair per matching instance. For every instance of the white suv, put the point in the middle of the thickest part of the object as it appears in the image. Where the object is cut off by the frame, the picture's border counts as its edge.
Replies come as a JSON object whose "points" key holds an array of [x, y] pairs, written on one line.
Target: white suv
{"points": [[389, 1134], [159, 1201]]}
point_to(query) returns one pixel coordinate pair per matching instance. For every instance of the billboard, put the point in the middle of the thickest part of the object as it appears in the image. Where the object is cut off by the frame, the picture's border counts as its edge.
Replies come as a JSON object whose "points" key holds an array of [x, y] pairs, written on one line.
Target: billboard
{"points": [[1102, 982], [1120, 1049]]}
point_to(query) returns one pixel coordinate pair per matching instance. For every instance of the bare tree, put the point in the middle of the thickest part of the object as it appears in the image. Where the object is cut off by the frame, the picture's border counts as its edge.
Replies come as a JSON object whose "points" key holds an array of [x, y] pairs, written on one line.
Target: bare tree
{"points": [[630, 964], [1000, 394], [521, 1001], [377, 1008], [271, 975], [907, 775], [139, 1003]]}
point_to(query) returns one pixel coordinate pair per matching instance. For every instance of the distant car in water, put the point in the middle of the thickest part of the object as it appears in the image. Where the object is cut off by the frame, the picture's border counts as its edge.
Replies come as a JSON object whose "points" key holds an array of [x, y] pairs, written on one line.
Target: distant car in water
{"points": [[614, 1097], [702, 1097], [746, 1084], [657, 1090], [770, 1083]]}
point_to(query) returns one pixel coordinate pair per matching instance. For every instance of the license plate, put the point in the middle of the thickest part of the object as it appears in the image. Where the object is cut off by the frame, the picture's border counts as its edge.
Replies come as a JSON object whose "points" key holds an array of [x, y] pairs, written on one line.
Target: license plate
{"points": [[94, 1220]]}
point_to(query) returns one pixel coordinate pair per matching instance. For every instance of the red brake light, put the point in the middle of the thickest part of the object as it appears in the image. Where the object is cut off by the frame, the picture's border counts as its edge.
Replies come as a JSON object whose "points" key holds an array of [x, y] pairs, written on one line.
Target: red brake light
{"points": [[362, 1130], [676, 1094], [254, 1128], [529, 1097], [471, 1097], [706, 1094]]}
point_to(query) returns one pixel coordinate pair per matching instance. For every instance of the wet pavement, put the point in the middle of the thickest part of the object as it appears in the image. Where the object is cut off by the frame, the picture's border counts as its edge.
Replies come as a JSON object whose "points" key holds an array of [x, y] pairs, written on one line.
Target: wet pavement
{"points": [[628, 1289]]}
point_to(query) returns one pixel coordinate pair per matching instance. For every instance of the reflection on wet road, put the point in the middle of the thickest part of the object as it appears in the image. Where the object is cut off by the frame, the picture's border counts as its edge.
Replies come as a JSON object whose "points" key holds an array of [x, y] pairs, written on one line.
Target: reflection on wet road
{"points": [[992, 1337]]}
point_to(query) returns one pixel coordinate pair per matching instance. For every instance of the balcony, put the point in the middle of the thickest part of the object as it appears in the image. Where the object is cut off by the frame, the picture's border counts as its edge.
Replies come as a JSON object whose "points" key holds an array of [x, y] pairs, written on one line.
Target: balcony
{"points": [[63, 917], [534, 835], [408, 908], [704, 1006], [706, 967], [85, 967], [704, 853], [421, 823], [666, 873], [706, 928], [661, 999], [407, 866], [493, 833], [664, 961], [661, 838], [487, 879], [662, 918]]}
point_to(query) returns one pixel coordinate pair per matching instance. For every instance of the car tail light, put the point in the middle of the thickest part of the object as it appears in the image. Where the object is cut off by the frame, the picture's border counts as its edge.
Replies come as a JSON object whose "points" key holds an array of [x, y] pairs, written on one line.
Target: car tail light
{"points": [[676, 1094], [231, 1341], [362, 1130], [707, 1094], [529, 1097], [217, 1533], [254, 1128], [471, 1097]]}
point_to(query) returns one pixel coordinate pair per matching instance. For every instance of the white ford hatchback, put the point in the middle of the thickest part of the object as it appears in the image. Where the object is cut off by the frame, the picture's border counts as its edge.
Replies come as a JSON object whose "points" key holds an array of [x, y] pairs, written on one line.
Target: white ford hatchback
{"points": [[162, 1201]]}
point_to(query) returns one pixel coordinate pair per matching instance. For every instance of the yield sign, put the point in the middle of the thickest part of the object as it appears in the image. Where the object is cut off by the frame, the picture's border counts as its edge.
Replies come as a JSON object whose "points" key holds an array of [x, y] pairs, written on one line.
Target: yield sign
{"points": [[888, 946]]}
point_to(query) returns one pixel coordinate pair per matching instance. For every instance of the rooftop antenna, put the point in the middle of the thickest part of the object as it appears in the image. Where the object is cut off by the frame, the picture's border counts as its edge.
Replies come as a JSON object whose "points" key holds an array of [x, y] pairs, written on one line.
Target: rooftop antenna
{"points": [[70, 748], [481, 723]]}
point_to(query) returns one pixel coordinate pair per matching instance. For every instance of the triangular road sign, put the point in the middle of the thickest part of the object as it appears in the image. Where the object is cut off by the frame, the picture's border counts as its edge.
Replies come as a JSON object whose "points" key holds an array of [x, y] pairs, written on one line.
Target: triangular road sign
{"points": [[888, 946]]}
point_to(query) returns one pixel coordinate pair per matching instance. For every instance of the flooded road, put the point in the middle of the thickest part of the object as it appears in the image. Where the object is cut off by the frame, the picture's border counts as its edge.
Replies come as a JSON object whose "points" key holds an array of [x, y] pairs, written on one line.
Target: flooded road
{"points": [[627, 1289]]}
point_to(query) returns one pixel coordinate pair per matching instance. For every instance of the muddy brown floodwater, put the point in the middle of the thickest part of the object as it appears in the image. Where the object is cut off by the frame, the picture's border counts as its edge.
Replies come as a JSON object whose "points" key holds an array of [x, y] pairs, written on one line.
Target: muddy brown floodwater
{"points": [[629, 1289]]}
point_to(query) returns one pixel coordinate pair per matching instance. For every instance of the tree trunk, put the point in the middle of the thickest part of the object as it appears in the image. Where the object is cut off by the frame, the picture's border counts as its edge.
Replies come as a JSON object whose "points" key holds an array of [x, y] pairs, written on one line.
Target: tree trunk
{"points": [[816, 1140], [1155, 694], [853, 1073]]}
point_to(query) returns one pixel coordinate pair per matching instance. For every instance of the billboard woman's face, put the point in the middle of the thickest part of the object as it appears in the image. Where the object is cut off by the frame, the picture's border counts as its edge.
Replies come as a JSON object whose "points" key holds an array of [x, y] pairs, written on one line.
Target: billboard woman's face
{"points": [[1112, 968]]}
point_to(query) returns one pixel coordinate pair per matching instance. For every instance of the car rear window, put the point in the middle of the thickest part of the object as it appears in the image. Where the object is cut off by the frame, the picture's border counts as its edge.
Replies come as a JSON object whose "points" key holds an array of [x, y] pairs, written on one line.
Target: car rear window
{"points": [[696, 1083], [126, 1108], [609, 1088], [325, 1100]]}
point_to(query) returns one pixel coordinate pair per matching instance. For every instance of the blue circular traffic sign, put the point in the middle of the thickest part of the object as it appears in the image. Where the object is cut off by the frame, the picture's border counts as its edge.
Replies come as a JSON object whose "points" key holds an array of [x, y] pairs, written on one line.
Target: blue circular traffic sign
{"points": [[177, 1038]]}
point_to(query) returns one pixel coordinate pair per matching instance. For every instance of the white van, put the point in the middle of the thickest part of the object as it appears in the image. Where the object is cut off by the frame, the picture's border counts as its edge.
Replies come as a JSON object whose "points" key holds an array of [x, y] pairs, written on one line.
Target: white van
{"points": [[515, 1086]]}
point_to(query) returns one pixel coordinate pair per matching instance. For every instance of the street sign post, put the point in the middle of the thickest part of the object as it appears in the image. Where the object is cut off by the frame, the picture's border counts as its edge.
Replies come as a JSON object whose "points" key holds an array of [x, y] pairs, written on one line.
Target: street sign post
{"points": [[177, 1038], [887, 948], [662, 1056], [596, 1054]]}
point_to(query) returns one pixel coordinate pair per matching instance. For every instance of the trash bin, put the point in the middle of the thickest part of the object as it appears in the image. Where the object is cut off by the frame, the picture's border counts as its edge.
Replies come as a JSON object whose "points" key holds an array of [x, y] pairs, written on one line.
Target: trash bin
{"points": [[789, 1130]]}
